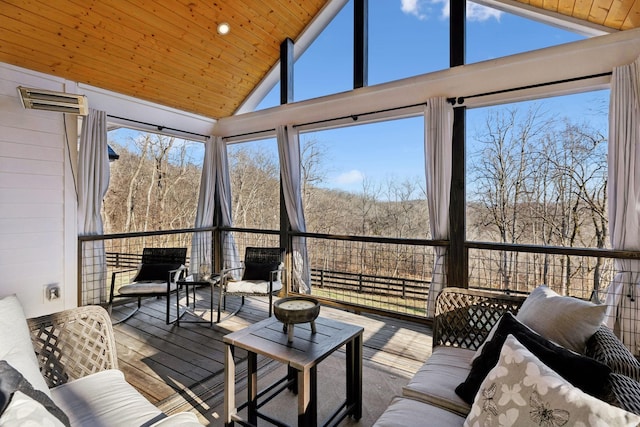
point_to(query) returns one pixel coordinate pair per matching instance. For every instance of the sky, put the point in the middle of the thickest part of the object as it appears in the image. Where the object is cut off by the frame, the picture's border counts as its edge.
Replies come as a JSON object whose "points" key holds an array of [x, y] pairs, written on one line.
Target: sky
{"points": [[408, 38]]}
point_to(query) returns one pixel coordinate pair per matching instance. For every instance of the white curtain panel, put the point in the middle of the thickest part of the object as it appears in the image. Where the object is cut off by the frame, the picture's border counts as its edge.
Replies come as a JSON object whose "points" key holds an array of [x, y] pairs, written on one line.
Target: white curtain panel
{"points": [[93, 182], [290, 165], [202, 241], [438, 134], [624, 202], [230, 256]]}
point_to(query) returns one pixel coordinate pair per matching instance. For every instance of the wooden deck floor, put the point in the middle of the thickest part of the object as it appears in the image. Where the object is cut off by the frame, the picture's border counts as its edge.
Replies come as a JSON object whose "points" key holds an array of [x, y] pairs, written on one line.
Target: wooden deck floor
{"points": [[181, 368]]}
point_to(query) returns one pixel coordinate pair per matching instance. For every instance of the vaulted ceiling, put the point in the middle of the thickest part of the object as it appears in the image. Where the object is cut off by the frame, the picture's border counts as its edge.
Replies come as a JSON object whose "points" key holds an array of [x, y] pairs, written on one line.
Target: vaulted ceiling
{"points": [[170, 52]]}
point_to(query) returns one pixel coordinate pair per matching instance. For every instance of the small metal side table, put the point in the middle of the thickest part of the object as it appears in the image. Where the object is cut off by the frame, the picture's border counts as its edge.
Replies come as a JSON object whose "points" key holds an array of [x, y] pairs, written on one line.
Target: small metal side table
{"points": [[302, 357], [193, 282]]}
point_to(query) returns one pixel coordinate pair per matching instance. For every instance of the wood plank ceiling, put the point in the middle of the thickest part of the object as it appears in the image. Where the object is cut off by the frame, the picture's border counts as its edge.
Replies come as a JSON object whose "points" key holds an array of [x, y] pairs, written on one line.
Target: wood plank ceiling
{"points": [[164, 51], [169, 52]]}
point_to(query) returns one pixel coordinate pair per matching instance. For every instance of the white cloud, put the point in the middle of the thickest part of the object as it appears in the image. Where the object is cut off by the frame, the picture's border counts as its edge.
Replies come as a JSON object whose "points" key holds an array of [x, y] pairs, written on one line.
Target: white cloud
{"points": [[350, 177], [412, 7], [480, 13], [475, 11]]}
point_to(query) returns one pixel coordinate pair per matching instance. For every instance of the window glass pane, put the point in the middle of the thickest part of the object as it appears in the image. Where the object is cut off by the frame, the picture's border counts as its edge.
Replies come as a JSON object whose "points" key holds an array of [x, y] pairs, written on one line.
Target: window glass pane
{"points": [[493, 34], [407, 39], [537, 171], [366, 180], [154, 183], [255, 184]]}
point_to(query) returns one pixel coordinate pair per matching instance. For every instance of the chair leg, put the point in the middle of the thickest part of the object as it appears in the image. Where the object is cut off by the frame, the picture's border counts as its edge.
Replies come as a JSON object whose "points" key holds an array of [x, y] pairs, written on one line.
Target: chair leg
{"points": [[270, 303], [168, 307]]}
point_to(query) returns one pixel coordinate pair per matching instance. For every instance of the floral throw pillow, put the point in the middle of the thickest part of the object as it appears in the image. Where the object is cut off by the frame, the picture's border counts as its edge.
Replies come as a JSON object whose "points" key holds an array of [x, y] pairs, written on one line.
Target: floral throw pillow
{"points": [[522, 391]]}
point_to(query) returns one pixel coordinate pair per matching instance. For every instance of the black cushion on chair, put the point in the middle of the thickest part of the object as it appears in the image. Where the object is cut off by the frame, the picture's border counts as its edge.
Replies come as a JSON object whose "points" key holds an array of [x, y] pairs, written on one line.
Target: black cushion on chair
{"points": [[258, 270], [154, 272]]}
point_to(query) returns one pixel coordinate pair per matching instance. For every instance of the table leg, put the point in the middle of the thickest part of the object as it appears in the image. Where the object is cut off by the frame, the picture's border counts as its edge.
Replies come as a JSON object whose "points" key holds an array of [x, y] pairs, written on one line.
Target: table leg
{"points": [[308, 397], [229, 385], [292, 374], [354, 376], [252, 388]]}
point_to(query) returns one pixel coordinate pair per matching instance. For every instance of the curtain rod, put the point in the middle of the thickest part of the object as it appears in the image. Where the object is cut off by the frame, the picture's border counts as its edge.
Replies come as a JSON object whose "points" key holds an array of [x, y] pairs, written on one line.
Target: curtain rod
{"points": [[354, 117], [461, 99], [159, 127]]}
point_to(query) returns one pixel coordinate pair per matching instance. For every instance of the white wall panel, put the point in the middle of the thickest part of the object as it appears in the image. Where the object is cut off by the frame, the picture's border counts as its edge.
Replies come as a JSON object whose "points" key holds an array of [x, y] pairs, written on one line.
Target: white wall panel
{"points": [[37, 203]]}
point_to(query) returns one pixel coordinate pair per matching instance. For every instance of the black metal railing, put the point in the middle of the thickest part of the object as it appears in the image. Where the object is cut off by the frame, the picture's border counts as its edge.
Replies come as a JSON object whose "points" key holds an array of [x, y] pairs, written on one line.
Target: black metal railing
{"points": [[381, 275]]}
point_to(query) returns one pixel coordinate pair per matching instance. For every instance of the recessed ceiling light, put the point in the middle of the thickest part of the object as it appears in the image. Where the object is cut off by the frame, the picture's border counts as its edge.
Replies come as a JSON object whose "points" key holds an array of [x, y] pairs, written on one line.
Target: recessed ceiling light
{"points": [[223, 28]]}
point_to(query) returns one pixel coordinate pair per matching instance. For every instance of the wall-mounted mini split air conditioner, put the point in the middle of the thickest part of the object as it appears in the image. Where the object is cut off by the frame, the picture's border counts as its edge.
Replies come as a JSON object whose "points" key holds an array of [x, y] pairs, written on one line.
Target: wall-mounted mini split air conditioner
{"points": [[39, 99]]}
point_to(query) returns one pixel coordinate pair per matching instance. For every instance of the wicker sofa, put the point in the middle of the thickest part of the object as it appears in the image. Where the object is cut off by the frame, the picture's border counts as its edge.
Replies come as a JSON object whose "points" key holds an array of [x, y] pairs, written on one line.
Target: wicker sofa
{"points": [[72, 377], [464, 318]]}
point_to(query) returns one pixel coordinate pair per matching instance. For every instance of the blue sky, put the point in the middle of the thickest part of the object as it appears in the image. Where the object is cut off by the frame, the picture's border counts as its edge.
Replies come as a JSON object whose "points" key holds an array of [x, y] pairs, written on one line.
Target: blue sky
{"points": [[407, 38]]}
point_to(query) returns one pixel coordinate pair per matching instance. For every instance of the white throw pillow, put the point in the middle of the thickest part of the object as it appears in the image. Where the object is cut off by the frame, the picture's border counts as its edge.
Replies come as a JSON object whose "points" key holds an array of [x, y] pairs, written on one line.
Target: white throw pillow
{"points": [[567, 321], [23, 411], [15, 343], [521, 391]]}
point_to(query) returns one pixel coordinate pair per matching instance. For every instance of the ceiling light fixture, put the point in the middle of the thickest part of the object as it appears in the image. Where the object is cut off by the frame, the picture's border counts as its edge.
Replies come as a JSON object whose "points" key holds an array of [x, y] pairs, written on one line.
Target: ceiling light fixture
{"points": [[223, 28]]}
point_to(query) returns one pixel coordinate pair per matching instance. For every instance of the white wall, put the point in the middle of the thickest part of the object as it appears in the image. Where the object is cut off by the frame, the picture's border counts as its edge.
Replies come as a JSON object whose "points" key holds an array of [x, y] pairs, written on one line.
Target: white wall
{"points": [[38, 202], [37, 197]]}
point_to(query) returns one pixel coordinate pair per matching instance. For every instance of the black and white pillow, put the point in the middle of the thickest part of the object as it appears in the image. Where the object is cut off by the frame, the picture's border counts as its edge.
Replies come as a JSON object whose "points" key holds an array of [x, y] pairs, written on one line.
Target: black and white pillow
{"points": [[21, 404]]}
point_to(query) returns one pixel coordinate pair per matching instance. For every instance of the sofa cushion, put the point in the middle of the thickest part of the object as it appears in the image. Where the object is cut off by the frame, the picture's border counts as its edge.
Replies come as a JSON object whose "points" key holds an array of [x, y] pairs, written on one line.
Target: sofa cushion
{"points": [[103, 399], [568, 364], [606, 348], [436, 380], [520, 390], [567, 321], [13, 382], [403, 412], [182, 419], [15, 343]]}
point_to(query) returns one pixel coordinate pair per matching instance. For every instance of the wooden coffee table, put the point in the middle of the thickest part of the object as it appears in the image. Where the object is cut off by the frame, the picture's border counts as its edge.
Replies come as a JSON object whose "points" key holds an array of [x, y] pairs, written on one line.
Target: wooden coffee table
{"points": [[302, 357]]}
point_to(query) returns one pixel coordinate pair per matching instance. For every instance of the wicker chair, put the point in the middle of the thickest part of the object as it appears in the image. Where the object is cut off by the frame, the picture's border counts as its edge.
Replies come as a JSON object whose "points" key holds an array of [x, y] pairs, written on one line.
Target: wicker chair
{"points": [[157, 275], [261, 276], [464, 317], [73, 343]]}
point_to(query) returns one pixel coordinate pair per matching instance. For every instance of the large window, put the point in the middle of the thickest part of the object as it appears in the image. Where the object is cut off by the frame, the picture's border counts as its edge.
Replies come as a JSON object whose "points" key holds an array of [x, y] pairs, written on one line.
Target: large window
{"points": [[154, 183], [494, 34], [366, 180], [537, 172], [255, 184]]}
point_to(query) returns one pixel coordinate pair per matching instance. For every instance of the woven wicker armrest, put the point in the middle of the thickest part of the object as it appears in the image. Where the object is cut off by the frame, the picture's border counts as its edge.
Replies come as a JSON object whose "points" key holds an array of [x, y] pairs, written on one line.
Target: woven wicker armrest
{"points": [[73, 343], [464, 317]]}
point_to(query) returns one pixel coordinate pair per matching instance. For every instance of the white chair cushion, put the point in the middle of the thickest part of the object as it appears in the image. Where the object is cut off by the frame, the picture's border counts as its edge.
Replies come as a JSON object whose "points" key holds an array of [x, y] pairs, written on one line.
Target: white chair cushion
{"points": [[251, 287], [151, 287], [103, 399], [15, 343]]}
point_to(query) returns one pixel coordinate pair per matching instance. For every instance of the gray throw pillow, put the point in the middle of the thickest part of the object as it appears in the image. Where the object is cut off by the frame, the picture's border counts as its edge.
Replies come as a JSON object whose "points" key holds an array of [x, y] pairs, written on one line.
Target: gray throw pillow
{"points": [[567, 321]]}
